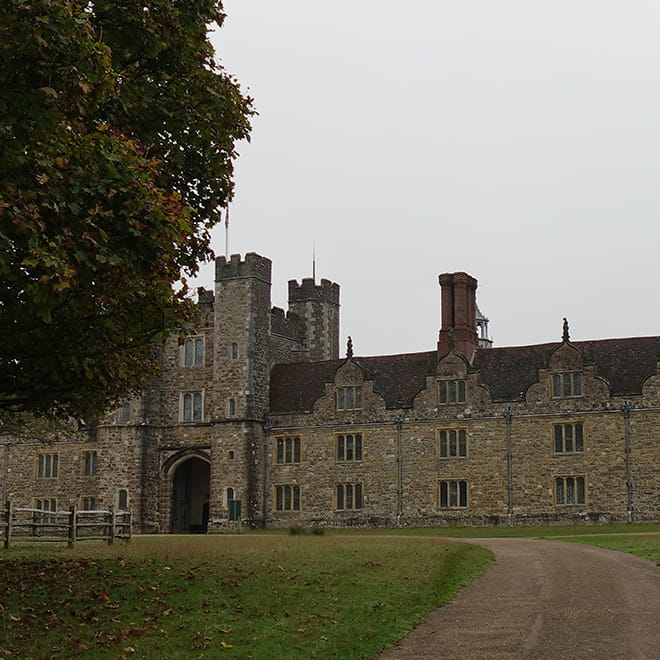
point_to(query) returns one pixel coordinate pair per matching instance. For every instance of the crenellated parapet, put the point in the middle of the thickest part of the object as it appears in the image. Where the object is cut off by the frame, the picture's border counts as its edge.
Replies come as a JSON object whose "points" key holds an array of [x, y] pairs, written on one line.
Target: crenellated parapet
{"points": [[309, 291], [317, 305], [205, 296], [253, 266], [286, 325]]}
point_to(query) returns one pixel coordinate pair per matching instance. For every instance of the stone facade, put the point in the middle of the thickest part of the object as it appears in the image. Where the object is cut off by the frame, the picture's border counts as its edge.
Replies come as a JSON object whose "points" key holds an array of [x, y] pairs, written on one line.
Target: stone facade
{"points": [[255, 414]]}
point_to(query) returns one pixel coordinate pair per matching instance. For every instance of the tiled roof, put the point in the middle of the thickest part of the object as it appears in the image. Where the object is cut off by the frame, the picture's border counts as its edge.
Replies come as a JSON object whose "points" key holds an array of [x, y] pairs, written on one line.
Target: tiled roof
{"points": [[624, 363], [507, 372]]}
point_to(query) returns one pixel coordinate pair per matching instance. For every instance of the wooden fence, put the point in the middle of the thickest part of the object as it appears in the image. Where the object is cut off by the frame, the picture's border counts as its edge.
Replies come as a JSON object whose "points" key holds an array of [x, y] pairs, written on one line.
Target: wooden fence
{"points": [[37, 525]]}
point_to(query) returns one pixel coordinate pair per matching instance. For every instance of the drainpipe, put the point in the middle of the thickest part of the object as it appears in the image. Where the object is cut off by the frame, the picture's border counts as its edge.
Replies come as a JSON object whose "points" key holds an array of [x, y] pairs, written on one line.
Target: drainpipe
{"points": [[626, 409], [5, 476], [399, 470], [268, 427], [508, 416], [154, 524]]}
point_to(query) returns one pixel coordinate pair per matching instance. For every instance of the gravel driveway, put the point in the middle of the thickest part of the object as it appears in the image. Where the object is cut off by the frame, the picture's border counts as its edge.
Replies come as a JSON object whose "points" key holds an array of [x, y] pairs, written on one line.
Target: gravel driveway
{"points": [[547, 599]]}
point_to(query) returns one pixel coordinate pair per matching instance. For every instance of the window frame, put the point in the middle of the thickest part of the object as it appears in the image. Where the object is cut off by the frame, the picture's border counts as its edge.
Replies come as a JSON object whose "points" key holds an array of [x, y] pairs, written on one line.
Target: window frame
{"points": [[287, 449], [47, 505], [193, 351], [452, 391], [287, 498], [125, 412], [349, 496], [562, 492], [89, 460], [342, 447], [121, 496], [47, 465], [349, 398], [188, 415], [230, 494], [444, 448], [453, 494], [86, 501], [562, 438], [566, 385]]}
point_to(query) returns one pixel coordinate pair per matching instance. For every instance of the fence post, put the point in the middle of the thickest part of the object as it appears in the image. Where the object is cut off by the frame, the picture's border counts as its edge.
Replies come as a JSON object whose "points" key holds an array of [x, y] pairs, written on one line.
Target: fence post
{"points": [[8, 517], [111, 537], [73, 528]]}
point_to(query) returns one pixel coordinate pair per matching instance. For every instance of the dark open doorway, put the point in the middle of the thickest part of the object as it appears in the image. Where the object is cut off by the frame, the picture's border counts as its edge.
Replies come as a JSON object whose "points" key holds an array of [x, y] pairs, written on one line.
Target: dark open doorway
{"points": [[190, 497]]}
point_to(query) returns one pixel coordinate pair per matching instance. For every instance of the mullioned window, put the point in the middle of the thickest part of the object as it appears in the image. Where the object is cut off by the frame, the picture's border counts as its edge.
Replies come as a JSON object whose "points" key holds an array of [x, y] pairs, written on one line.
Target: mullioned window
{"points": [[566, 385], [348, 497], [451, 391], [569, 438], [192, 403], [288, 450], [570, 490], [287, 498], [349, 398], [47, 466], [349, 447], [193, 352], [453, 494], [452, 443]]}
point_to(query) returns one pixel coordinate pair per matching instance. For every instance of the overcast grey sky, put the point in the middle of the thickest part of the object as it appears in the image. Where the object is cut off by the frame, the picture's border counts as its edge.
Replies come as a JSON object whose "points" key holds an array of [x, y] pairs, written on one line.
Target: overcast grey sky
{"points": [[516, 140]]}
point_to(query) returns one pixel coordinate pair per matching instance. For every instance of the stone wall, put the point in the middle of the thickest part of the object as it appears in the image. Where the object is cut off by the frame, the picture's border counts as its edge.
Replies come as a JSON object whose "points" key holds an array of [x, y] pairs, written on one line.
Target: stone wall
{"points": [[413, 443], [507, 473]]}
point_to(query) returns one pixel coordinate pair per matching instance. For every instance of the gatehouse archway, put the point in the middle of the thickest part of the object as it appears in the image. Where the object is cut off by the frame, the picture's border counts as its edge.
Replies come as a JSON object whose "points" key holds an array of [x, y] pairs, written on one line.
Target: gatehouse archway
{"points": [[190, 496]]}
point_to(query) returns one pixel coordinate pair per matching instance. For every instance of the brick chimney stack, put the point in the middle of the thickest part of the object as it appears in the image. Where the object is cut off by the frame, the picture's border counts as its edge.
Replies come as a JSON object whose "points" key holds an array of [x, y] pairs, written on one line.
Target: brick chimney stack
{"points": [[459, 314]]}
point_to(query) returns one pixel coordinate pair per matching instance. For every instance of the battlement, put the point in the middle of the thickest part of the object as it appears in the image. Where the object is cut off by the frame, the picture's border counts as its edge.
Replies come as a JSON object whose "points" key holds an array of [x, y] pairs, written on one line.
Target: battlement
{"points": [[205, 296], [253, 266], [309, 291], [289, 325]]}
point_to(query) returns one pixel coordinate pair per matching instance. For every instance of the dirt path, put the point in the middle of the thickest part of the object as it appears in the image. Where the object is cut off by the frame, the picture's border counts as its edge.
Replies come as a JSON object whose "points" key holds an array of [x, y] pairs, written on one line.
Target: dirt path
{"points": [[547, 599]]}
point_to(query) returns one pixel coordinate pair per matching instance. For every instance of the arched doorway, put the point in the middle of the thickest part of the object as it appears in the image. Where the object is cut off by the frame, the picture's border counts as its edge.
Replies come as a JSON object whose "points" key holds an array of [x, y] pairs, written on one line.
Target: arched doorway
{"points": [[190, 496]]}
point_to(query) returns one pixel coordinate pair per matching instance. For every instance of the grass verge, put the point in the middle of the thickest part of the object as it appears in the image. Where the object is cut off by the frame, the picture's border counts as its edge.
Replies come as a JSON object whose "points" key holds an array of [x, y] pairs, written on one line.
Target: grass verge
{"points": [[642, 545], [241, 596], [547, 531]]}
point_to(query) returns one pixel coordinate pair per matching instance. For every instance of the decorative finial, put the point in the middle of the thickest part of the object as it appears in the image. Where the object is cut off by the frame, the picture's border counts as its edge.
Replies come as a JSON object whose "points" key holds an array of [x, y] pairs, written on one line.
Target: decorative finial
{"points": [[565, 336], [450, 338], [349, 348]]}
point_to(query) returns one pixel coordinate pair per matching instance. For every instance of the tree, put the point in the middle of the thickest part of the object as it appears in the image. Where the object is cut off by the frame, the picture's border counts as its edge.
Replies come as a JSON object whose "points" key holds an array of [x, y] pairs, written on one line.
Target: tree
{"points": [[117, 136]]}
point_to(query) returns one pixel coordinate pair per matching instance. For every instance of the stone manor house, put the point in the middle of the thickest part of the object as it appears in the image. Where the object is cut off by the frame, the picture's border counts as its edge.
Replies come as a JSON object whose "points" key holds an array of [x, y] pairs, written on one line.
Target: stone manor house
{"points": [[256, 415]]}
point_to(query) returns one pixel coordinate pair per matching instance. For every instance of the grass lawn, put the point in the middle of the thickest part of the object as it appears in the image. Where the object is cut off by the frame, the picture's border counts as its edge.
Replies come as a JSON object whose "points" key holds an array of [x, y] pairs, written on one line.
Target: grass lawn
{"points": [[497, 532], [260, 596], [643, 545], [344, 594]]}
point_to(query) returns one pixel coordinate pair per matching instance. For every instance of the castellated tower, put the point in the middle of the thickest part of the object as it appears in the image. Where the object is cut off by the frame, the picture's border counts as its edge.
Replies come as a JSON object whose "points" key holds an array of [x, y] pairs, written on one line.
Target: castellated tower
{"points": [[240, 384], [249, 337], [242, 327], [318, 306]]}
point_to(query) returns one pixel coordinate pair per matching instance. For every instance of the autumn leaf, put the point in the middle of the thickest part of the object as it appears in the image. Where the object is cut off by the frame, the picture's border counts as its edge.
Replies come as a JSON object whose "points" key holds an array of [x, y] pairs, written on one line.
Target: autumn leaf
{"points": [[49, 91]]}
